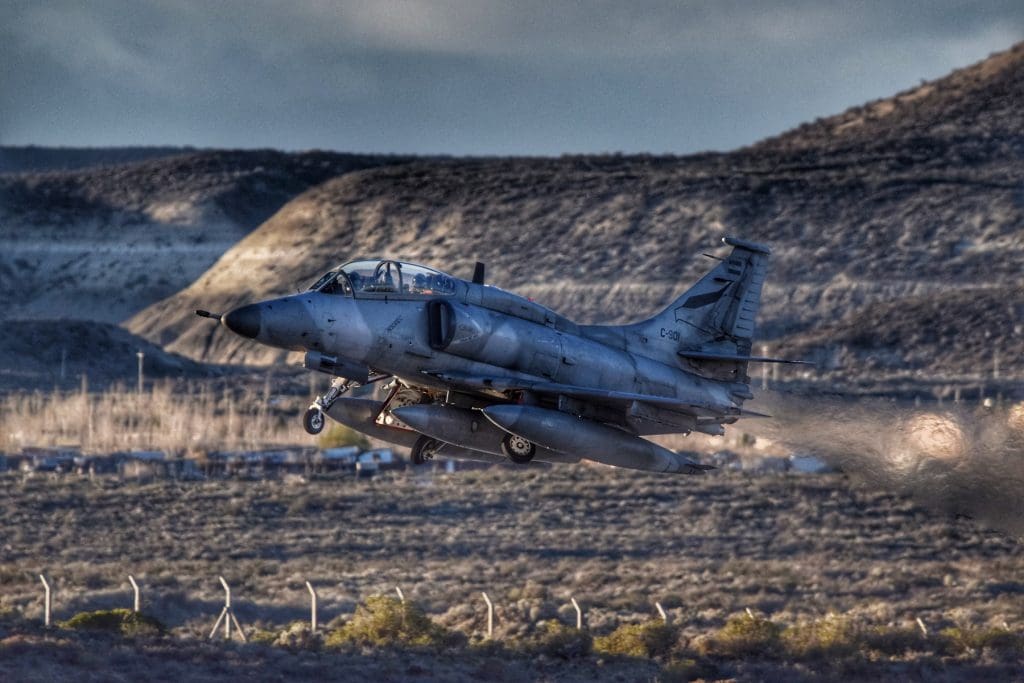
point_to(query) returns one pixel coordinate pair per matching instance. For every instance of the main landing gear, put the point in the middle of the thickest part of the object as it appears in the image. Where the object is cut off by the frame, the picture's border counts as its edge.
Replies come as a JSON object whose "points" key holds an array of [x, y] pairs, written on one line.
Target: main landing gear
{"points": [[424, 449], [313, 420], [517, 449]]}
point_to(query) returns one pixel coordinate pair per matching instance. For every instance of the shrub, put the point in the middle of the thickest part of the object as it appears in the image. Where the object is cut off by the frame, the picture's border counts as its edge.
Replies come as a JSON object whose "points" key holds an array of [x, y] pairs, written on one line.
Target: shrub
{"points": [[826, 638], [653, 639], [263, 636], [894, 641], [744, 635], [298, 636], [121, 620], [338, 435], [956, 641], [687, 670], [384, 621], [555, 639]]}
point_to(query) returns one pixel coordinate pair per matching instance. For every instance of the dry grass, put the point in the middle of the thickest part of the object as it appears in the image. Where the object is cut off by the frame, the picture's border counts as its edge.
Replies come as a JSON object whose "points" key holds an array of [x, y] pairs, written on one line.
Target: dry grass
{"points": [[174, 419]]}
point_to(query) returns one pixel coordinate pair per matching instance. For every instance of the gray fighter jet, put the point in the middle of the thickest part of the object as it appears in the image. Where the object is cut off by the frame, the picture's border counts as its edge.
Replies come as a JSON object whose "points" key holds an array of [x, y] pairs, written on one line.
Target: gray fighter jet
{"points": [[479, 373]]}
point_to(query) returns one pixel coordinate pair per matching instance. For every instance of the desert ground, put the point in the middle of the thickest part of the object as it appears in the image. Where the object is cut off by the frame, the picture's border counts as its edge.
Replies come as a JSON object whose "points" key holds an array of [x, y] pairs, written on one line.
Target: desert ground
{"points": [[798, 551]]}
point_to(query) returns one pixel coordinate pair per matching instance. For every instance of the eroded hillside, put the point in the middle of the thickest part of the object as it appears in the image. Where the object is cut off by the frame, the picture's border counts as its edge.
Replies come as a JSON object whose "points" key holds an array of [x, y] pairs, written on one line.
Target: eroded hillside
{"points": [[106, 241], [862, 227]]}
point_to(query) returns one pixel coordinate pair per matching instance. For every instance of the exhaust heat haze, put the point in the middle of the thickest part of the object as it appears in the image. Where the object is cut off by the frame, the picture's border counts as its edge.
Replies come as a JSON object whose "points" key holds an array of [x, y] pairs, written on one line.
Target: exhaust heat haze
{"points": [[958, 458]]}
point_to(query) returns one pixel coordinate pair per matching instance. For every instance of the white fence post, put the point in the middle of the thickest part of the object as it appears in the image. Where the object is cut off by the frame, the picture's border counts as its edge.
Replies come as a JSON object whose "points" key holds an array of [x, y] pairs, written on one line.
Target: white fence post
{"points": [[661, 611], [490, 616], [312, 612], [47, 601], [227, 616], [136, 603], [579, 614]]}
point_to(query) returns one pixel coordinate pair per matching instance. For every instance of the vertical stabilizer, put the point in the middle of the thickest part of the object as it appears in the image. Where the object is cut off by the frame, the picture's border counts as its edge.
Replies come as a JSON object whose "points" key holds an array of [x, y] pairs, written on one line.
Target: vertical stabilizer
{"points": [[721, 309], [717, 316]]}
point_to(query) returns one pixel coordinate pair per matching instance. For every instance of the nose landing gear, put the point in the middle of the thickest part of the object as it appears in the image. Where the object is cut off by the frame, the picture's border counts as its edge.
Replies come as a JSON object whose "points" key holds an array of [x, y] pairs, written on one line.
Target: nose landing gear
{"points": [[313, 420]]}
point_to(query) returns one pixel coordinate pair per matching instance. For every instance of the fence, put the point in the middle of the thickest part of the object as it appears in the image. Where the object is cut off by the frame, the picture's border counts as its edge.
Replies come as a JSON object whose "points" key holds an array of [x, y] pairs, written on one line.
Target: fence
{"points": [[231, 624]]}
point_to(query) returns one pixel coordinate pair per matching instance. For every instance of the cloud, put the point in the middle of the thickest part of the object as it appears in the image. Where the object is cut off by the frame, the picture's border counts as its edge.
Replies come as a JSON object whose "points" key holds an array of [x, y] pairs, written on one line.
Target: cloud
{"points": [[473, 76]]}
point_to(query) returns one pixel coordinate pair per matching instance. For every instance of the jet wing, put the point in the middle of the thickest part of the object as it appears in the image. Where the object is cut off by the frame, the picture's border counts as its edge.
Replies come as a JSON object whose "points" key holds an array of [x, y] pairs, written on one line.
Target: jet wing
{"points": [[696, 405]]}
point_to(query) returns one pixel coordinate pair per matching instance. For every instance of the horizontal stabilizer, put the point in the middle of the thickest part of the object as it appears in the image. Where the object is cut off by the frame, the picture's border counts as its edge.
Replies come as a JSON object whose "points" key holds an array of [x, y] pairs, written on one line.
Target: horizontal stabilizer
{"points": [[733, 358]]}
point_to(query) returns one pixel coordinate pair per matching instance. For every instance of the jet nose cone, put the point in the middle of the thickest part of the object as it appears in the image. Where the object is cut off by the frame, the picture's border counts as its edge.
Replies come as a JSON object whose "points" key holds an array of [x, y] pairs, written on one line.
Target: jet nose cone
{"points": [[244, 321]]}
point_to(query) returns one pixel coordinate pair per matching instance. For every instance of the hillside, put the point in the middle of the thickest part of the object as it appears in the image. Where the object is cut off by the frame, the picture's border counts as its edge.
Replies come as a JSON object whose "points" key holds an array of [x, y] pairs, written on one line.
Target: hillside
{"points": [[42, 354], [106, 241], [860, 231], [31, 158], [977, 107]]}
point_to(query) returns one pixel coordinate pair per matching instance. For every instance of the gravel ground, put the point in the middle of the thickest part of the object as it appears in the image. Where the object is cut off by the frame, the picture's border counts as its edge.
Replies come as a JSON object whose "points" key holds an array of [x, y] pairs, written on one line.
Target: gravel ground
{"points": [[791, 547]]}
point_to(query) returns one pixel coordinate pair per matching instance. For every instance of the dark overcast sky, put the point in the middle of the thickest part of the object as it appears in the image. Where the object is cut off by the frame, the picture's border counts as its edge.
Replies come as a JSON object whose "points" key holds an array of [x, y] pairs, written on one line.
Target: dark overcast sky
{"points": [[467, 76]]}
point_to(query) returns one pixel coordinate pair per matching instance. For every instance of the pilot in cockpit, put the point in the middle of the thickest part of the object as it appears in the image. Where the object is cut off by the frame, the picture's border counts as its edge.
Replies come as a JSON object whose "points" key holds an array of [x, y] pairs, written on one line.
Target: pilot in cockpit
{"points": [[421, 284]]}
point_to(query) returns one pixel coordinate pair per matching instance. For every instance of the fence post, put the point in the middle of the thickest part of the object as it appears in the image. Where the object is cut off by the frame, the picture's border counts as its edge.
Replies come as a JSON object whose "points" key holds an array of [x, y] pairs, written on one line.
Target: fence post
{"points": [[227, 616], [312, 613], [47, 602], [401, 599], [490, 616], [141, 356], [579, 614], [227, 608], [661, 611], [135, 589]]}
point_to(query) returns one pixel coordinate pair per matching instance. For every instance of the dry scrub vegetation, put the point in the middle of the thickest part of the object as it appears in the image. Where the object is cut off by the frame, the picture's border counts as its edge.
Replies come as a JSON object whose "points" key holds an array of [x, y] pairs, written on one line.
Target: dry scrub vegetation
{"points": [[834, 577], [178, 419]]}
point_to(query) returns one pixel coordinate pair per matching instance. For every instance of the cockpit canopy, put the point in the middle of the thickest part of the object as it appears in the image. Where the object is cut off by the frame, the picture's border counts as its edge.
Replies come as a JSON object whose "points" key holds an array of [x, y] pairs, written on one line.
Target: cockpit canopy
{"points": [[396, 278]]}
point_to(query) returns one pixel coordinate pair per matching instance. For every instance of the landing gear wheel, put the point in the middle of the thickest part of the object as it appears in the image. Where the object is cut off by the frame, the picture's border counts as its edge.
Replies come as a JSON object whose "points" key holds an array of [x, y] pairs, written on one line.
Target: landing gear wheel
{"points": [[517, 449], [313, 420], [424, 449]]}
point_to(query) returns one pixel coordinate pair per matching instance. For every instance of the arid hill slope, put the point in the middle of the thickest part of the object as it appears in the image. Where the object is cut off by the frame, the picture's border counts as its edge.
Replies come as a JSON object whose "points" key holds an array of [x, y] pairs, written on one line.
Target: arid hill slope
{"points": [[34, 159], [977, 106], [106, 241], [41, 354], [857, 228]]}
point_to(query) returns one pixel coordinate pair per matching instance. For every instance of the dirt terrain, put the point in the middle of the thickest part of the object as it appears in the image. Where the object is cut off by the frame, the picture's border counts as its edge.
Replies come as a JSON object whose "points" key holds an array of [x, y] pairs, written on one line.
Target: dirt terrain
{"points": [[793, 548]]}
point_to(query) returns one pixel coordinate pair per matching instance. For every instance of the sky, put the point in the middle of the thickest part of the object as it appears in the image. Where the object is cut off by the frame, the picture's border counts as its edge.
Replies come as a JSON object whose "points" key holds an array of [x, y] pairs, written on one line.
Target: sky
{"points": [[476, 77]]}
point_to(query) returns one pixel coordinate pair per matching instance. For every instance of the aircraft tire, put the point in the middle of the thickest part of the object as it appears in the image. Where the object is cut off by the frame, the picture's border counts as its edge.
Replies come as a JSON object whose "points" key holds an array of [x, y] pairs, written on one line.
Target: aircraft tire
{"points": [[517, 449], [313, 421], [423, 449]]}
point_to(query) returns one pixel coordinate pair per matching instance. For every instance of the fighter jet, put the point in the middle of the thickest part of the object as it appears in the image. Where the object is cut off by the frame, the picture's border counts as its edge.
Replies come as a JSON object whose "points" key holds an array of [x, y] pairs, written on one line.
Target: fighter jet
{"points": [[476, 372]]}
